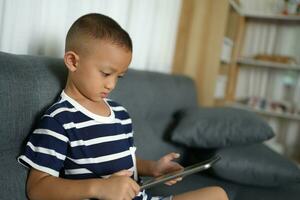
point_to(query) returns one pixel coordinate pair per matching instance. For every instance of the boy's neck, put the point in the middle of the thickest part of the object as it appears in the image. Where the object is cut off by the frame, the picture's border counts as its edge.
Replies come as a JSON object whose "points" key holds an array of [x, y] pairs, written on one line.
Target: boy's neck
{"points": [[72, 91], [99, 108]]}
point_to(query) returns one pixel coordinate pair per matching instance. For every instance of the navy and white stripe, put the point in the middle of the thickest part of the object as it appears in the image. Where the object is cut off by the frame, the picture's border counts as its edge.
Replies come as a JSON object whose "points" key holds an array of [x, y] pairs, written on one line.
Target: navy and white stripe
{"points": [[72, 142]]}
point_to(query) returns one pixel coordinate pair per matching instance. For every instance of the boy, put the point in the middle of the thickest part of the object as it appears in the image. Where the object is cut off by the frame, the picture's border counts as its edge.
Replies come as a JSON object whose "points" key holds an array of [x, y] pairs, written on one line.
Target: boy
{"points": [[83, 145]]}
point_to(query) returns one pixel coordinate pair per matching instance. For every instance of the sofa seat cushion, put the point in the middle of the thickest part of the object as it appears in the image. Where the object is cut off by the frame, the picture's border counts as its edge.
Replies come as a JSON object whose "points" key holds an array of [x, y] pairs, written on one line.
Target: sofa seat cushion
{"points": [[255, 165]]}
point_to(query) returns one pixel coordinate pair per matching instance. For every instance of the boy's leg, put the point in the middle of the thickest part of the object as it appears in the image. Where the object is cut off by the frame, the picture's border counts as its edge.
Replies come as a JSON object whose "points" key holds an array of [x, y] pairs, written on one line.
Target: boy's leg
{"points": [[208, 193]]}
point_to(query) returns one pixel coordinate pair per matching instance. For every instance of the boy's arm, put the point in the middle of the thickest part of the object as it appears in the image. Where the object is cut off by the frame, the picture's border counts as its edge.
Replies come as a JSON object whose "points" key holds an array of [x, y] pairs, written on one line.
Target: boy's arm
{"points": [[41, 185], [145, 167]]}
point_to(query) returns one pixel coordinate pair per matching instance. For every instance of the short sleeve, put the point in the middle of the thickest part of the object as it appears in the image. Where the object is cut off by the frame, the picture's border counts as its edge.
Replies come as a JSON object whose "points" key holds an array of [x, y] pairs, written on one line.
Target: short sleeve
{"points": [[127, 125], [46, 148]]}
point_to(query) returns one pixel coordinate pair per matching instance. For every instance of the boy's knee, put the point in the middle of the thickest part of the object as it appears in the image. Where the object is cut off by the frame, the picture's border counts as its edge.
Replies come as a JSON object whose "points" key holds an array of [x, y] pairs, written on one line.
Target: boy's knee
{"points": [[221, 193]]}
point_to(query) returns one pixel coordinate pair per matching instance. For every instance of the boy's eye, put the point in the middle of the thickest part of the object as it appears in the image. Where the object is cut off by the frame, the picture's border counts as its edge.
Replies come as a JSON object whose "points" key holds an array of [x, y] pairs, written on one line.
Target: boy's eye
{"points": [[105, 74], [121, 76]]}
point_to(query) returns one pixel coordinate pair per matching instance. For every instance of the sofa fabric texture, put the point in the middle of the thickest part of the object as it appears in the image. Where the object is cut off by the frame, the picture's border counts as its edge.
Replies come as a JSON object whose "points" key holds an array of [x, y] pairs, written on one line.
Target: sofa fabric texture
{"points": [[29, 84]]}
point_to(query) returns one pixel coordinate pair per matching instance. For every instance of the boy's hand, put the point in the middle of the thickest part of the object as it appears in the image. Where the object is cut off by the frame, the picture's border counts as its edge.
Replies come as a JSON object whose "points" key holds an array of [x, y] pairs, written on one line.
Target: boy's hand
{"points": [[119, 187], [166, 165]]}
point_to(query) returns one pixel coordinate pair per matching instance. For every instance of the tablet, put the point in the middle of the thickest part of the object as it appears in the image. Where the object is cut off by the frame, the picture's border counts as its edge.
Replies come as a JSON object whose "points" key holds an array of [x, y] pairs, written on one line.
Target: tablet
{"points": [[181, 173]]}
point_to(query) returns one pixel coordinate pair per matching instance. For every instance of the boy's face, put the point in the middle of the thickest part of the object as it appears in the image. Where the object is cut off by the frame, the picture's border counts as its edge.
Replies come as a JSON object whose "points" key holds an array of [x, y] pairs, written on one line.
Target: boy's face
{"points": [[98, 71]]}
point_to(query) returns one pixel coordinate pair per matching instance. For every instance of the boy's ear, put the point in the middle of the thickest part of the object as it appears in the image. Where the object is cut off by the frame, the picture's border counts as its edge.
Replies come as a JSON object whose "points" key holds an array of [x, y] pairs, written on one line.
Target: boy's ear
{"points": [[71, 60]]}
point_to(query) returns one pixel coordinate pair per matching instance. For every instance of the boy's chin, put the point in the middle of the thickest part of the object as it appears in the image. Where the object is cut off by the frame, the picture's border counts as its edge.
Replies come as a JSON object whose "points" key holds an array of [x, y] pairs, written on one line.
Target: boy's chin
{"points": [[100, 99], [96, 99]]}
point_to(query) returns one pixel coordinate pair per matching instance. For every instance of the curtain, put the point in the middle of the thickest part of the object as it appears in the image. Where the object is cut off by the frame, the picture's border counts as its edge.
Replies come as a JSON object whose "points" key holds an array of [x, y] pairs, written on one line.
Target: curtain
{"points": [[39, 27]]}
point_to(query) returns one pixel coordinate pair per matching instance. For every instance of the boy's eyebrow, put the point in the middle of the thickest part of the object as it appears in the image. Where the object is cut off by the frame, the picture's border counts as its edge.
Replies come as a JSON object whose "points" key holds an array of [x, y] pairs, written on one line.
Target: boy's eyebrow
{"points": [[108, 68], [114, 70]]}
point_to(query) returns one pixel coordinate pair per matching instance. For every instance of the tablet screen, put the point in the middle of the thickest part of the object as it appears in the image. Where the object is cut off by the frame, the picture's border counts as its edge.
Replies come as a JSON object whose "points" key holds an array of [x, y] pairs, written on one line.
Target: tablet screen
{"points": [[181, 173]]}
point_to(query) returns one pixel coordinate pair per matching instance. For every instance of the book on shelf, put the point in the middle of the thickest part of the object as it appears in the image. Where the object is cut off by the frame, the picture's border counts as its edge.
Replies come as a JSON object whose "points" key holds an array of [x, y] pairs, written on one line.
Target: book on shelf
{"points": [[266, 10], [269, 108]]}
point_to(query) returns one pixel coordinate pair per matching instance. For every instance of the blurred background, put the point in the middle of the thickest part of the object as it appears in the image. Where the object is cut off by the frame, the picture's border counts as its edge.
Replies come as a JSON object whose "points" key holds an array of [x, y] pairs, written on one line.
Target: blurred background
{"points": [[241, 53]]}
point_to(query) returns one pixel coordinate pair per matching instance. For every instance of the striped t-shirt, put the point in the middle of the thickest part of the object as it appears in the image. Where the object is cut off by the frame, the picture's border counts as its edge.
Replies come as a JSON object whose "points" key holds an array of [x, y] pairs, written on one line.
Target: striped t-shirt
{"points": [[74, 143]]}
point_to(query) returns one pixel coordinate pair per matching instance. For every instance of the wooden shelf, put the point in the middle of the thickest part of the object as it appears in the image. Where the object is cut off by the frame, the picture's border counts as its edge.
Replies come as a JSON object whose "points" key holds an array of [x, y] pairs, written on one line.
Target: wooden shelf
{"points": [[263, 16], [241, 25], [295, 18], [267, 64], [264, 112]]}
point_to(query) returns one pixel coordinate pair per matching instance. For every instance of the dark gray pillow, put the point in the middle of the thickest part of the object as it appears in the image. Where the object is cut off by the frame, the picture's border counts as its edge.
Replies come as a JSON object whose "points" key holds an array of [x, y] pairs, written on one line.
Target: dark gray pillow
{"points": [[255, 165], [219, 127]]}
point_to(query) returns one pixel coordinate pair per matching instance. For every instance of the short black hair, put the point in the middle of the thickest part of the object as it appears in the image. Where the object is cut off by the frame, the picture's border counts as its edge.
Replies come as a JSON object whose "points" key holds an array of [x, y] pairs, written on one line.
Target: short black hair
{"points": [[96, 26]]}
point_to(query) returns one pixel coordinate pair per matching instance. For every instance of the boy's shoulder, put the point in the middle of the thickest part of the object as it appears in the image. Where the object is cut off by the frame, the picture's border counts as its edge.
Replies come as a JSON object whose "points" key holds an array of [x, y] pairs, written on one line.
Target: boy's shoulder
{"points": [[59, 106], [62, 110]]}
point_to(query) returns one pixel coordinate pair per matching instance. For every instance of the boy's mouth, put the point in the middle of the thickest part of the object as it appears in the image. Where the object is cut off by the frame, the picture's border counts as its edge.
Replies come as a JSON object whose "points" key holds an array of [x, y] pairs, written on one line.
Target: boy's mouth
{"points": [[104, 95]]}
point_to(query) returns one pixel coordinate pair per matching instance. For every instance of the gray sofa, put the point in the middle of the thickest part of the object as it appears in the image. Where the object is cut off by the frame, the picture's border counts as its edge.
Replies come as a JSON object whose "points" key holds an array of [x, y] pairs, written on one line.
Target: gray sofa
{"points": [[28, 84]]}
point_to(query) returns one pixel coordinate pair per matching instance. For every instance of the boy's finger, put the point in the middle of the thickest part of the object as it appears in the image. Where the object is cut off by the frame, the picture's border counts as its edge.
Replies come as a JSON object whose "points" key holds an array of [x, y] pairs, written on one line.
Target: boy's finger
{"points": [[171, 156], [172, 182], [136, 187], [179, 179]]}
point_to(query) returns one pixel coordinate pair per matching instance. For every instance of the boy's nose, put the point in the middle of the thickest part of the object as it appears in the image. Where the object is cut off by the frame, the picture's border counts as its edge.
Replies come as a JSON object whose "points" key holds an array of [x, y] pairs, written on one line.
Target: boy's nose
{"points": [[110, 84]]}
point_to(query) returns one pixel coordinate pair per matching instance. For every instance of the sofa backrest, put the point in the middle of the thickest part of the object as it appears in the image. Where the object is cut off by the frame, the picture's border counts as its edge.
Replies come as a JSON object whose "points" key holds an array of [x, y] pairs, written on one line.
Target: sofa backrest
{"points": [[152, 99], [29, 84]]}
